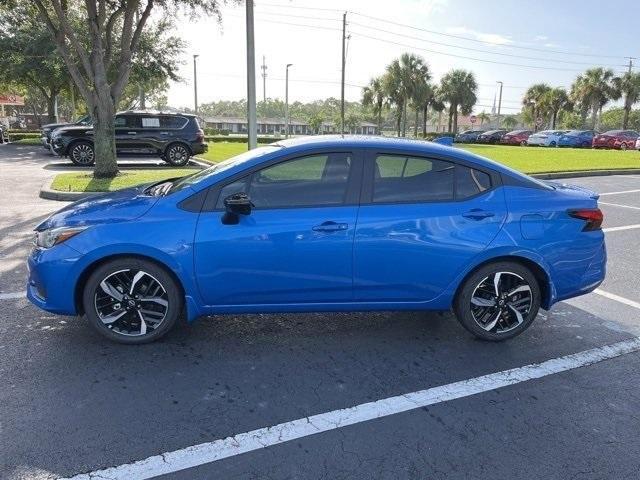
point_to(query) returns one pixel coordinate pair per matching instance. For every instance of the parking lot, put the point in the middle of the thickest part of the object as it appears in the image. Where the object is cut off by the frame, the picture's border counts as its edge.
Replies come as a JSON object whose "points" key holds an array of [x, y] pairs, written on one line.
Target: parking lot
{"points": [[70, 402]]}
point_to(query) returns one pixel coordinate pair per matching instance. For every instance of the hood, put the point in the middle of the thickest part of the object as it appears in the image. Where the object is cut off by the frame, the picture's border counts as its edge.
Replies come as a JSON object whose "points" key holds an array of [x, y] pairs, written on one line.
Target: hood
{"points": [[110, 207], [53, 126], [73, 127]]}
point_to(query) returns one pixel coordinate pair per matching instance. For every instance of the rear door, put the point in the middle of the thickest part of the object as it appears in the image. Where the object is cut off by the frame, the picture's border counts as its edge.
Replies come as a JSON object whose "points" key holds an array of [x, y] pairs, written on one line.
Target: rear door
{"points": [[420, 223]]}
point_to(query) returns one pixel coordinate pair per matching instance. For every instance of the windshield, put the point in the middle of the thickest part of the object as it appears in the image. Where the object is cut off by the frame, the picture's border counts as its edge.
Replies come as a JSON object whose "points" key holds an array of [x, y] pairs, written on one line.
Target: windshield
{"points": [[222, 166]]}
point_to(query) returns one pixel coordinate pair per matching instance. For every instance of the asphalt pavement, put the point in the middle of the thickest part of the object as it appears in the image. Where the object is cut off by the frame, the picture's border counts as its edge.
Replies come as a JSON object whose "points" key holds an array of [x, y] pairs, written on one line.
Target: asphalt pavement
{"points": [[70, 402]]}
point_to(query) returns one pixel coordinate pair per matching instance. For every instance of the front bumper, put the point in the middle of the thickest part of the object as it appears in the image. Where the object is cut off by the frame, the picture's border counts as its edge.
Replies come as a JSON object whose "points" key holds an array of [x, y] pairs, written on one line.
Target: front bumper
{"points": [[52, 279]]}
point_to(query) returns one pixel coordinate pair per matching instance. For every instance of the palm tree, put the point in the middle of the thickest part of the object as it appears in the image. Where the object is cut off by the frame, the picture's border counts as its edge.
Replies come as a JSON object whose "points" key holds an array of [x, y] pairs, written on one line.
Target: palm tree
{"points": [[509, 122], [553, 101], [483, 117], [374, 95], [592, 90], [532, 100], [628, 85], [420, 101], [405, 74], [392, 89], [458, 88]]}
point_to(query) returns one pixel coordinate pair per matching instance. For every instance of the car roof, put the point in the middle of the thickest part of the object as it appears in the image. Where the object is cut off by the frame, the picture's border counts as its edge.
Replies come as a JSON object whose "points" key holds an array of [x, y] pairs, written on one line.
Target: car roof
{"points": [[154, 112]]}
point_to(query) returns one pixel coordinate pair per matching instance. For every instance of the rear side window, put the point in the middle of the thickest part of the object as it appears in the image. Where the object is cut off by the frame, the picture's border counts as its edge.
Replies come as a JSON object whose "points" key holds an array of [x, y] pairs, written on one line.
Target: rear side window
{"points": [[150, 122], [315, 180], [172, 122], [470, 182], [405, 179]]}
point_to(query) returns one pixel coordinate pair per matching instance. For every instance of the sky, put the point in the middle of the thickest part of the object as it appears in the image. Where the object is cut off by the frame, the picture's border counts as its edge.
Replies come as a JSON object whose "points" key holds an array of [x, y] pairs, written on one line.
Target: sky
{"points": [[516, 42]]}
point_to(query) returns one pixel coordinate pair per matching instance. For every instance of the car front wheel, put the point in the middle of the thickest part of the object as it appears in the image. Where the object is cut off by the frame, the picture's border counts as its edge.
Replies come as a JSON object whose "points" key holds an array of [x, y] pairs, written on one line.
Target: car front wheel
{"points": [[82, 154], [498, 301], [132, 301], [177, 155]]}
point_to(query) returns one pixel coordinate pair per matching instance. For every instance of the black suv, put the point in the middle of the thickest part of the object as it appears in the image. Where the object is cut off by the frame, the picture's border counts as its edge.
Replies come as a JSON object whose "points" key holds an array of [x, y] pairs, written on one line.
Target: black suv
{"points": [[47, 130], [173, 136]]}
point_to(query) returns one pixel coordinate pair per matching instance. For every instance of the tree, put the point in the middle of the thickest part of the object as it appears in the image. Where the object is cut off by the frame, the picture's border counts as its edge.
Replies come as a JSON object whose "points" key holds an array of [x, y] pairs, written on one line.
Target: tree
{"points": [[458, 88], [374, 95], [483, 117], [628, 86], [420, 101], [98, 40], [352, 122], [533, 101], [315, 122], [592, 90], [29, 59], [553, 101], [509, 122]]}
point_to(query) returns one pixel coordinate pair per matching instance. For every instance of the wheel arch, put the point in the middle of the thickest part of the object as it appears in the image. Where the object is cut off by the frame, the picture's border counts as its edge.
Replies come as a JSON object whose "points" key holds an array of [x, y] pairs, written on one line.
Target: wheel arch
{"points": [[89, 269], [538, 271]]}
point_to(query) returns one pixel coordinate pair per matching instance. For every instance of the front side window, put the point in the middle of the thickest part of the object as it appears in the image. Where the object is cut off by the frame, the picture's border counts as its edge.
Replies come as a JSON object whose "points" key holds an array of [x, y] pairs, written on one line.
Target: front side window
{"points": [[399, 178], [315, 180]]}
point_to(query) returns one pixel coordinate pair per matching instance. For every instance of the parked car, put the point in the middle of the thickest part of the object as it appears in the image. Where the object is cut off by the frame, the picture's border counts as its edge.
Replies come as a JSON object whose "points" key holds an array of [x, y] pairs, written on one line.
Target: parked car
{"points": [[47, 130], [545, 138], [619, 139], [638, 143], [577, 138], [491, 136], [174, 137], [468, 136], [3, 134], [516, 137], [299, 226]]}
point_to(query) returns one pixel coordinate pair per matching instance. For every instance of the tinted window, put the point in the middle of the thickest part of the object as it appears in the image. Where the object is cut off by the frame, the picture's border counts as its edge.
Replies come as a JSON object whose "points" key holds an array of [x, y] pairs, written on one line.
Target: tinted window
{"points": [[172, 122], [470, 182], [412, 179], [303, 182], [127, 121]]}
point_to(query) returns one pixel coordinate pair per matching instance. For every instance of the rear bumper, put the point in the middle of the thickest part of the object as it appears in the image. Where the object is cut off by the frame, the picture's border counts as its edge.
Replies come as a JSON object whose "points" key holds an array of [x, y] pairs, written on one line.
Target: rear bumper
{"points": [[199, 148], [591, 279]]}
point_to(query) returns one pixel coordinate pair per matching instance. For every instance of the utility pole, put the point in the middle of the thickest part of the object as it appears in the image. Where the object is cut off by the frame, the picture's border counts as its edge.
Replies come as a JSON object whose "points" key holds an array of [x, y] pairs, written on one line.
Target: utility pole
{"points": [[264, 80], [344, 61], [195, 84], [252, 121], [499, 102], [631, 59], [286, 101]]}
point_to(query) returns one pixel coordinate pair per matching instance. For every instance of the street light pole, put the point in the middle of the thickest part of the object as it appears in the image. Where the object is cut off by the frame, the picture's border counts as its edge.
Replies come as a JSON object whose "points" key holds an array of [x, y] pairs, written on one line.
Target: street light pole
{"points": [[252, 121], [499, 102], [195, 84], [344, 60], [286, 101]]}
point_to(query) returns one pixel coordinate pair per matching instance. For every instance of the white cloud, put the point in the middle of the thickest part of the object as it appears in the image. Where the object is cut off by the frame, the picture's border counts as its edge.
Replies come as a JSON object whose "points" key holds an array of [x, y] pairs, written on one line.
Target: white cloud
{"points": [[540, 38], [494, 38]]}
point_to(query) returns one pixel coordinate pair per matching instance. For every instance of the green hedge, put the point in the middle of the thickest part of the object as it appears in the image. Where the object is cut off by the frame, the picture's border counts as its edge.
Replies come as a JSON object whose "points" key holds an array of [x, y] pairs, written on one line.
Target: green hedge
{"points": [[216, 138], [21, 134]]}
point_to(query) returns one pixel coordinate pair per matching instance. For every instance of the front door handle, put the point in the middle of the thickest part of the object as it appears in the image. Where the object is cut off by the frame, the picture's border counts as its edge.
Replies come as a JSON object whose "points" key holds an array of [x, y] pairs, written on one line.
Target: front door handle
{"points": [[330, 227], [131, 133], [478, 214]]}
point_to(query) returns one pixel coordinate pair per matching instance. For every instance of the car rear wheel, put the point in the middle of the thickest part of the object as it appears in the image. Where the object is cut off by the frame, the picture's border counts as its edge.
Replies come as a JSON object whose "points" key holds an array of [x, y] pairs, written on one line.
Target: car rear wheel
{"points": [[552, 144], [623, 146], [132, 301], [498, 301], [523, 143], [177, 155], [82, 154]]}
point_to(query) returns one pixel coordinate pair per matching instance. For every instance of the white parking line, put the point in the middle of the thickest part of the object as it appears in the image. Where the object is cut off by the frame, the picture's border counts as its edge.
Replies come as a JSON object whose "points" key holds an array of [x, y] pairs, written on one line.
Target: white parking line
{"points": [[619, 193], [624, 227], [284, 432], [617, 298], [12, 295], [619, 205]]}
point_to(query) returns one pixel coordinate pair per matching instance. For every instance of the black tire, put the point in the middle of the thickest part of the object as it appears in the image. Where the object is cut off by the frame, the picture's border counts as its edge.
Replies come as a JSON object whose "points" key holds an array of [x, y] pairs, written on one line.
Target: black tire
{"points": [[623, 146], [100, 303], [82, 154], [552, 144], [177, 155], [502, 315]]}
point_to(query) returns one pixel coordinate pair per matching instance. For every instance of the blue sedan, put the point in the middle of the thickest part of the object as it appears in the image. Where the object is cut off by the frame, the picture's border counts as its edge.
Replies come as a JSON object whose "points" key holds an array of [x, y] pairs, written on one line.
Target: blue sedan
{"points": [[577, 138], [323, 224]]}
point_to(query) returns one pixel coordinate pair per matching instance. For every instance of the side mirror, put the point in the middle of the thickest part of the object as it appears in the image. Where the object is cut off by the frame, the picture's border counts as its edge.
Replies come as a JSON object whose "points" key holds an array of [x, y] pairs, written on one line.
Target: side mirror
{"points": [[236, 204]]}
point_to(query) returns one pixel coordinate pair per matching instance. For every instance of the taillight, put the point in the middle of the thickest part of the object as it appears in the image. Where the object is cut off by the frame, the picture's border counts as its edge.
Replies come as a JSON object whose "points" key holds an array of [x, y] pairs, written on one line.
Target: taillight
{"points": [[593, 217], [200, 135]]}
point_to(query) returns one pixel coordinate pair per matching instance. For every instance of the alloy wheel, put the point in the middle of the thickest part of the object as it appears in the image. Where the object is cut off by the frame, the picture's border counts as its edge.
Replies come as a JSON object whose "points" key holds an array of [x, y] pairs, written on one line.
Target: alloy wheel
{"points": [[131, 302], [178, 155], [501, 302], [83, 154]]}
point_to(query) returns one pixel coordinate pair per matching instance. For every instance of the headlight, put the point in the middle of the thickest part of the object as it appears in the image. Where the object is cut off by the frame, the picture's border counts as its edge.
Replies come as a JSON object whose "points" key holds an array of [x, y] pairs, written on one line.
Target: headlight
{"points": [[53, 236]]}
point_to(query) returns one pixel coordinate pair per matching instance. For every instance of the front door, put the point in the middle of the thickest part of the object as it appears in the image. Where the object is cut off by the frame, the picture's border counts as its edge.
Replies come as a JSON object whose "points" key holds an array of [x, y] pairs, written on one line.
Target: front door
{"points": [[127, 129], [296, 245], [423, 221]]}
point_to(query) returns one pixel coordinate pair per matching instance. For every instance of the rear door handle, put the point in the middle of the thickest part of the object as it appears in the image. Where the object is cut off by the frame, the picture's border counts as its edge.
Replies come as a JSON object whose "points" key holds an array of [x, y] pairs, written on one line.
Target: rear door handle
{"points": [[478, 214], [330, 227]]}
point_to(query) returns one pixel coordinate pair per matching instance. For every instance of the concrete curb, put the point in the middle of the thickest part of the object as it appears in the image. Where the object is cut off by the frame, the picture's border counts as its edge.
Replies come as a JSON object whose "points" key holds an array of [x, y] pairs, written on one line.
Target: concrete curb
{"points": [[586, 173], [48, 193]]}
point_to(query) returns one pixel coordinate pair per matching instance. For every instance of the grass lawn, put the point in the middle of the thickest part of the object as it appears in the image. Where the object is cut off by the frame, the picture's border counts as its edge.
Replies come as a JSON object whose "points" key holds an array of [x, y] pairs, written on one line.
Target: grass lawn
{"points": [[525, 159], [84, 182]]}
